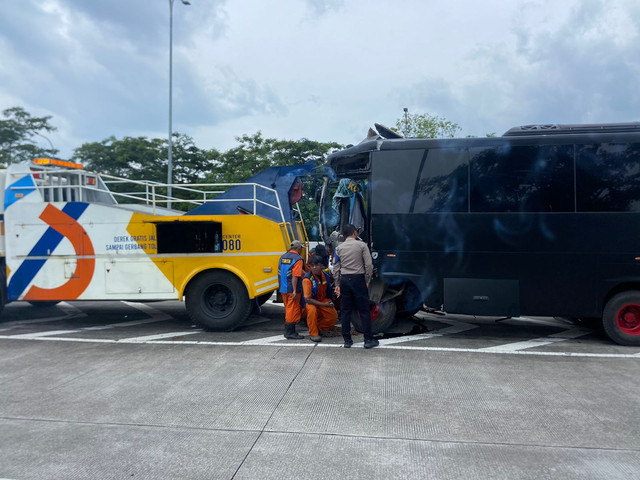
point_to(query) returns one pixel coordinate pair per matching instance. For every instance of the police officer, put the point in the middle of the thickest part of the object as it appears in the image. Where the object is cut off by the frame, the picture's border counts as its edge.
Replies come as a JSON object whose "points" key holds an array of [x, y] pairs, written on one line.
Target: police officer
{"points": [[352, 274], [290, 271]]}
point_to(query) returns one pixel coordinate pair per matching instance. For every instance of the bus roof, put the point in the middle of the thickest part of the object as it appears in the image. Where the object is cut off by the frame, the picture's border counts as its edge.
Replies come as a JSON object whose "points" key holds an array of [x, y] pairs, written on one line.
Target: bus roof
{"points": [[535, 134]]}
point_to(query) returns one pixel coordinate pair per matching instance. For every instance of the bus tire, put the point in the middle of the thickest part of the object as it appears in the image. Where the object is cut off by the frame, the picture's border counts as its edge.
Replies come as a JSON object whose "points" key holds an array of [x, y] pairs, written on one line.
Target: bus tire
{"points": [[621, 318], [382, 317], [217, 301], [409, 303]]}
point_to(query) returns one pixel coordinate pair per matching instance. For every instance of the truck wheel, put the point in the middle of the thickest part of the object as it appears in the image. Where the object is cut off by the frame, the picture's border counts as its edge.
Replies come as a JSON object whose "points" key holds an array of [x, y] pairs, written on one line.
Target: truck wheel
{"points": [[382, 317], [621, 318], [217, 301], [409, 303], [43, 303]]}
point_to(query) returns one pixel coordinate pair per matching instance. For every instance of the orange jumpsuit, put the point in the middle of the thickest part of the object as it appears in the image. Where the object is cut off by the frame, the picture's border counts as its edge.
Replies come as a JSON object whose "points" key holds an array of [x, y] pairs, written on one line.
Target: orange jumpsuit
{"points": [[319, 318], [293, 308]]}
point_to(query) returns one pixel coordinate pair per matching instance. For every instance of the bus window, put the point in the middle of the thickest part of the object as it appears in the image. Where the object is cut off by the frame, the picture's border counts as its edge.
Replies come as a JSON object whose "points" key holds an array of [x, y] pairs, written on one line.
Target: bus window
{"points": [[393, 178], [531, 178], [608, 177], [444, 182]]}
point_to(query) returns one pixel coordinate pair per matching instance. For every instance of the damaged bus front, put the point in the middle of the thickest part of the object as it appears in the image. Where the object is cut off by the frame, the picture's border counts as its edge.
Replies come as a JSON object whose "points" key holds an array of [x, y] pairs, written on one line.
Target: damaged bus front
{"points": [[544, 220]]}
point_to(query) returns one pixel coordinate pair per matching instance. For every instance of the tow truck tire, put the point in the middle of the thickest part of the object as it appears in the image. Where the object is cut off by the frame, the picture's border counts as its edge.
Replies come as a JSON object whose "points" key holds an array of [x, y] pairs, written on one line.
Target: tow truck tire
{"points": [[43, 303], [621, 318], [217, 301], [382, 317]]}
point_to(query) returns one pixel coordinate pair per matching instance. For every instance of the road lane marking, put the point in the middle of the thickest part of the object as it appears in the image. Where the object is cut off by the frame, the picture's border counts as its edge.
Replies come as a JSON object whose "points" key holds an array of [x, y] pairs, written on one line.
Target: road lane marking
{"points": [[264, 341], [309, 344], [31, 336], [71, 312], [408, 338], [152, 312], [539, 342], [160, 336]]}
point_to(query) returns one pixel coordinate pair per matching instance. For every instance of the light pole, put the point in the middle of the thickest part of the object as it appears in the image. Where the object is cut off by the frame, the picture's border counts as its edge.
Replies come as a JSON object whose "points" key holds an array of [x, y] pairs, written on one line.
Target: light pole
{"points": [[406, 121], [53, 150], [170, 155]]}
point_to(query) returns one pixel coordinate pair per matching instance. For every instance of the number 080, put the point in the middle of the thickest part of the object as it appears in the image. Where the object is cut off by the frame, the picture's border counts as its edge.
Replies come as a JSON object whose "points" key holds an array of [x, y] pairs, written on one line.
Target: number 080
{"points": [[231, 245]]}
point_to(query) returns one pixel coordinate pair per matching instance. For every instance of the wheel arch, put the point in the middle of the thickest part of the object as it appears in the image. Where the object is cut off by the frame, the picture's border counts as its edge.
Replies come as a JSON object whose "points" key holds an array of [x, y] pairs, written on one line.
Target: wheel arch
{"points": [[219, 268], [619, 288]]}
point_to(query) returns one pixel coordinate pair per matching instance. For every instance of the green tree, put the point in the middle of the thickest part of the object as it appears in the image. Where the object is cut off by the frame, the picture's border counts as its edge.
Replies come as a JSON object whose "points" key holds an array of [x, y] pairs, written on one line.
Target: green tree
{"points": [[425, 125], [256, 153], [142, 158], [17, 132]]}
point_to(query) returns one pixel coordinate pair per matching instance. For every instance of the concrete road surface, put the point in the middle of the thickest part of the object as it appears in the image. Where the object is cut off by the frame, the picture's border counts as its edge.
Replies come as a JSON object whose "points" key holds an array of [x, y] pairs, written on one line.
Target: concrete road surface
{"points": [[81, 401]]}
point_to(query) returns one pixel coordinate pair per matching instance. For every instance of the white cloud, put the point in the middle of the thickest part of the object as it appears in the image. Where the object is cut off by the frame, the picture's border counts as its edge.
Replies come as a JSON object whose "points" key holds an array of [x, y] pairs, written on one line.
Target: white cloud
{"points": [[324, 69]]}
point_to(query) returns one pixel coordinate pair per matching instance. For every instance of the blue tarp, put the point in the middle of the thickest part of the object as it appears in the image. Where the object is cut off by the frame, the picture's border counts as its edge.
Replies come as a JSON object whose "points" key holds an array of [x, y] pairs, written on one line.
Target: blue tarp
{"points": [[280, 179]]}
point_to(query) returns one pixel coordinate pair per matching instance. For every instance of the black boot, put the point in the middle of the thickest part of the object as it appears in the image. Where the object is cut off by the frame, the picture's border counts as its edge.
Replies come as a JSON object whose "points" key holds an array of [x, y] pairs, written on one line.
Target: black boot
{"points": [[290, 332]]}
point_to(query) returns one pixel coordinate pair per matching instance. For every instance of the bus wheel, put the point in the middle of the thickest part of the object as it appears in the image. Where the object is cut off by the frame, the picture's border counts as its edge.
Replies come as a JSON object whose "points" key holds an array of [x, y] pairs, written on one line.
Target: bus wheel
{"points": [[217, 301], [409, 303], [621, 318], [43, 303], [382, 317]]}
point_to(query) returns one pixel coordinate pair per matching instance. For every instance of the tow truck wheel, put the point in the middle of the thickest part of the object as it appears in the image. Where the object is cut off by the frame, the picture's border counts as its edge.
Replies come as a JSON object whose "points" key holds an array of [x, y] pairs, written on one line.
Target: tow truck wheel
{"points": [[43, 303], [382, 317], [621, 318], [217, 301]]}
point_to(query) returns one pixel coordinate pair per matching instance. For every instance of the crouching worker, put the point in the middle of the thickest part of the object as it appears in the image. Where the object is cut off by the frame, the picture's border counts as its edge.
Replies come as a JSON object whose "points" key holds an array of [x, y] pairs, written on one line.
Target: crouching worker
{"points": [[290, 272], [316, 286]]}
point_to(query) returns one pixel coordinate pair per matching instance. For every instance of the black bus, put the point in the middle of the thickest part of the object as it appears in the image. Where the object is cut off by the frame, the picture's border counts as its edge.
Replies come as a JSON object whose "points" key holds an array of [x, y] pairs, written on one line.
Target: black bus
{"points": [[544, 220]]}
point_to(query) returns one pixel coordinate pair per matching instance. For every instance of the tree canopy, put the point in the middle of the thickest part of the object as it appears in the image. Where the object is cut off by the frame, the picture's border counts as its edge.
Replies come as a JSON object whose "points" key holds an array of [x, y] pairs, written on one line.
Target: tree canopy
{"points": [[142, 158], [17, 132], [425, 125]]}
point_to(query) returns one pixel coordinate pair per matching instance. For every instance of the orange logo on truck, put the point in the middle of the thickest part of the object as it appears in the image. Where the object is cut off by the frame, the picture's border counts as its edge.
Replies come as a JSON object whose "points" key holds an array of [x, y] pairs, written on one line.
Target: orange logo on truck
{"points": [[85, 263]]}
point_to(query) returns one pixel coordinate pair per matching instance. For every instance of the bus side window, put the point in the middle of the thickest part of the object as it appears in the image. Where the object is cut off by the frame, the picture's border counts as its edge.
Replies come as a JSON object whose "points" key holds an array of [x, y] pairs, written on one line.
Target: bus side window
{"points": [[608, 177], [393, 177], [529, 178], [443, 185]]}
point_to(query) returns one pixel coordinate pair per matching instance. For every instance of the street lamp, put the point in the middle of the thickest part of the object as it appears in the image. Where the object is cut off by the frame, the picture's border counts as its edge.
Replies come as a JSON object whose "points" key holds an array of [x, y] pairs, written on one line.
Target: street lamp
{"points": [[170, 156], [53, 149], [406, 121]]}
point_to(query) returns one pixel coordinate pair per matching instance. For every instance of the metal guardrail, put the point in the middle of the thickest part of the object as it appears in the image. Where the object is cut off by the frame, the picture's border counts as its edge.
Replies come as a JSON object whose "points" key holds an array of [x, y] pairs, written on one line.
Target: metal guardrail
{"points": [[66, 185]]}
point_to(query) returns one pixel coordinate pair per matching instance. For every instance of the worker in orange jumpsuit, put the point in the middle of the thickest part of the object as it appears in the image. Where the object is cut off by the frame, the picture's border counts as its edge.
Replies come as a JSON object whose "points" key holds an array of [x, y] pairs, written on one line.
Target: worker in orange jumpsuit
{"points": [[316, 287], [290, 271]]}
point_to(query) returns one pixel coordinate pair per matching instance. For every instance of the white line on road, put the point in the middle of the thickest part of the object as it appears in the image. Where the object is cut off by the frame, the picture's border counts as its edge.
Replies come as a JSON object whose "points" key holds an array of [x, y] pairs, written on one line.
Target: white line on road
{"points": [[160, 336], [539, 342], [264, 341], [31, 336], [152, 312], [409, 338], [321, 345]]}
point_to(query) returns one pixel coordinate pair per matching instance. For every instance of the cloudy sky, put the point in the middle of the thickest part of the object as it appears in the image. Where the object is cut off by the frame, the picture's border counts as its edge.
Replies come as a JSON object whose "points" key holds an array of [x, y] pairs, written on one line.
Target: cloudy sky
{"points": [[321, 69]]}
